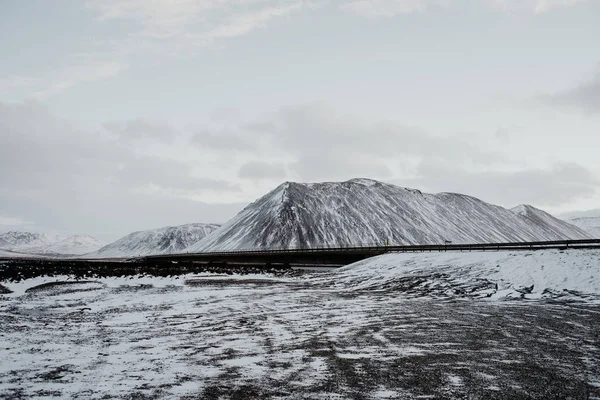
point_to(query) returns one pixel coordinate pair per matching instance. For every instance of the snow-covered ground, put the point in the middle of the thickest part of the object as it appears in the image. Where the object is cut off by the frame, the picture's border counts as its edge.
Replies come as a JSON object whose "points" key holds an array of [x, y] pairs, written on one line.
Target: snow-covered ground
{"points": [[439, 325], [495, 275]]}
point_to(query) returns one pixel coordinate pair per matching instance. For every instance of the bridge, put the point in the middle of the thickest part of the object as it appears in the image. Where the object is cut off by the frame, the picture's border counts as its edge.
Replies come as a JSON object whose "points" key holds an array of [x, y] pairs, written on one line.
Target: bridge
{"points": [[340, 256], [246, 260]]}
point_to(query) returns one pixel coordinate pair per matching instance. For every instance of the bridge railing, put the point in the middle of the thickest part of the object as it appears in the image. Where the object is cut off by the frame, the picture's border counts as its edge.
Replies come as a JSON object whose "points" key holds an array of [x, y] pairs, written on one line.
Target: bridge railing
{"points": [[383, 248]]}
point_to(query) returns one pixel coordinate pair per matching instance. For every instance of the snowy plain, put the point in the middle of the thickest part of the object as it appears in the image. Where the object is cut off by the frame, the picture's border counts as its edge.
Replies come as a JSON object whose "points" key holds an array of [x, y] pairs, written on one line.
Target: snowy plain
{"points": [[431, 325]]}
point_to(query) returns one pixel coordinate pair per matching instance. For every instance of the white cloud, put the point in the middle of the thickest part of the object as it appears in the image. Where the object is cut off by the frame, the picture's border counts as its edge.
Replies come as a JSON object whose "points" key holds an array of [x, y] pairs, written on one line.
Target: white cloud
{"points": [[241, 24], [140, 129], [259, 170], [560, 184], [390, 8], [170, 28], [12, 221], [585, 96], [191, 20], [384, 8], [542, 6], [15, 82], [90, 71], [72, 179]]}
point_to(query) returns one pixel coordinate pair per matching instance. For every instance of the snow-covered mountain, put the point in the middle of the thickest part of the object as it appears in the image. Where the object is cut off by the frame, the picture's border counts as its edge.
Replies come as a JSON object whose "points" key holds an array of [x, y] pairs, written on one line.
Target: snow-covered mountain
{"points": [[167, 240], [14, 240], [589, 224], [367, 212], [41, 243], [548, 223], [72, 245]]}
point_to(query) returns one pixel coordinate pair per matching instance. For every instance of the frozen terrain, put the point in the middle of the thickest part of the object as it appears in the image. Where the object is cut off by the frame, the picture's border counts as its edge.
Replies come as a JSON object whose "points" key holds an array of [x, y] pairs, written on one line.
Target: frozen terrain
{"points": [[167, 240], [589, 224], [442, 325], [366, 212]]}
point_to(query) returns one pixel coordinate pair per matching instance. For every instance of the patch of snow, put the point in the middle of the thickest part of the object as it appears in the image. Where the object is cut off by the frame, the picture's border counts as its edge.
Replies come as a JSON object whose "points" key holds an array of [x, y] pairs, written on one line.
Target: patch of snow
{"points": [[494, 275]]}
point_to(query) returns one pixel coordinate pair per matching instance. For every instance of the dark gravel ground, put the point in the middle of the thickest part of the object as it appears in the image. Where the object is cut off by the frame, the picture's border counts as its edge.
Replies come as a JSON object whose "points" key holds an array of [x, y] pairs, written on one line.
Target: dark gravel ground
{"points": [[223, 339]]}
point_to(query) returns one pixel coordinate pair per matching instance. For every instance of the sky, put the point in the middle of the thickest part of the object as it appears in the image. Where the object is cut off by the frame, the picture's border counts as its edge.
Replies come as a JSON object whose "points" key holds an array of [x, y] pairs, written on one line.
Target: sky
{"points": [[123, 115]]}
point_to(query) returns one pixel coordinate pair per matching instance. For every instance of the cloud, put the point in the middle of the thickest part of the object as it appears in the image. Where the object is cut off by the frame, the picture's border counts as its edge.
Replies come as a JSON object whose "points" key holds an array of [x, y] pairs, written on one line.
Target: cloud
{"points": [[16, 82], [391, 8], [158, 27], [325, 144], [259, 170], [141, 129], [73, 75], [384, 8], [168, 28], [12, 221], [542, 6], [194, 21], [581, 214], [584, 97], [554, 186], [76, 180], [225, 139], [241, 24], [166, 174], [314, 142]]}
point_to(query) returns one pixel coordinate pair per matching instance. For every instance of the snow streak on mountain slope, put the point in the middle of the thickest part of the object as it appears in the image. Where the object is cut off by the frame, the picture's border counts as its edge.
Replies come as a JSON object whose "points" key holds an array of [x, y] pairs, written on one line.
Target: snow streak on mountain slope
{"points": [[167, 240], [589, 224], [548, 223], [367, 212]]}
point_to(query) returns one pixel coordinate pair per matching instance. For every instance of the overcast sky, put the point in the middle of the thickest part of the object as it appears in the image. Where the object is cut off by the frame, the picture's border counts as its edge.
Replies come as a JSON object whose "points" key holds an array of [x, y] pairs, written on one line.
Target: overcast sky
{"points": [[121, 115]]}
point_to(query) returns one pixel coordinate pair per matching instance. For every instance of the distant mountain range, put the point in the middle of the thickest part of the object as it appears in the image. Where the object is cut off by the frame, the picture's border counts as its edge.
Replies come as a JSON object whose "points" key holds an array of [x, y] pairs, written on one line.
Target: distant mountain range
{"points": [[41, 243], [358, 212], [368, 212], [167, 240], [588, 224]]}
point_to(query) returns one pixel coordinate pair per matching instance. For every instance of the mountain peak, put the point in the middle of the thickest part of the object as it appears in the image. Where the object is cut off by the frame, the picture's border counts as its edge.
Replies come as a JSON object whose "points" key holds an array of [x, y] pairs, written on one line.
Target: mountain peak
{"points": [[522, 209]]}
